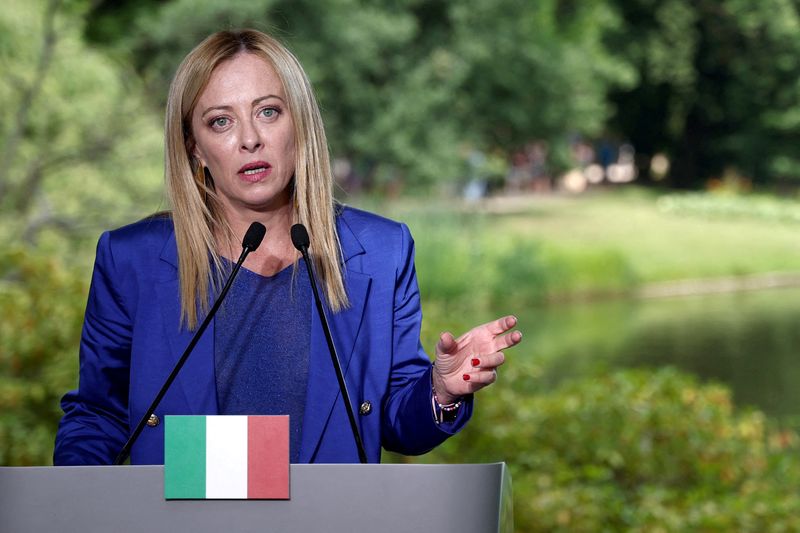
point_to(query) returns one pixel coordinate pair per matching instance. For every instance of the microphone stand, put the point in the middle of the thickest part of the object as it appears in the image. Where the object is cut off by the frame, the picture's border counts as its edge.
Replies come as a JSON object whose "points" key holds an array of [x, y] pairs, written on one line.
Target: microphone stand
{"points": [[301, 241], [251, 241]]}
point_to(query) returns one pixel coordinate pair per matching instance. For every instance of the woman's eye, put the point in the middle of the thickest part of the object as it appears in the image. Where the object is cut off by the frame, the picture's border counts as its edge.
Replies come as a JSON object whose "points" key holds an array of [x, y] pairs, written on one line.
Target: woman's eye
{"points": [[219, 122], [269, 112]]}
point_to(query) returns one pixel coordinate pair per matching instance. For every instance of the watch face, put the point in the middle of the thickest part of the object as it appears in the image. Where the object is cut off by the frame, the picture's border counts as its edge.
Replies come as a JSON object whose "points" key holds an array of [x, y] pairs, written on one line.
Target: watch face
{"points": [[447, 413], [450, 415]]}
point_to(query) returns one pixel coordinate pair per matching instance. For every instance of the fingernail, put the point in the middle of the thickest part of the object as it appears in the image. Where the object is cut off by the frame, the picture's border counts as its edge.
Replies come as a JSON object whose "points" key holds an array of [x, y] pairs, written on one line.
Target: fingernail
{"points": [[476, 362], [466, 377]]}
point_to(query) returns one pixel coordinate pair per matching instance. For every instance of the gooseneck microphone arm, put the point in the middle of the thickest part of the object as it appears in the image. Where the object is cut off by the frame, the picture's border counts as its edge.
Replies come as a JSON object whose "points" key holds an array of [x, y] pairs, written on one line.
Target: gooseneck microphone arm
{"points": [[301, 241], [252, 239]]}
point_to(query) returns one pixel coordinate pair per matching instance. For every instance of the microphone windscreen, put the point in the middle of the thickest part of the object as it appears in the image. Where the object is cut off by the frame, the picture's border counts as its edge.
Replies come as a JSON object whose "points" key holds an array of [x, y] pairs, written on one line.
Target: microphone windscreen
{"points": [[300, 237], [254, 236]]}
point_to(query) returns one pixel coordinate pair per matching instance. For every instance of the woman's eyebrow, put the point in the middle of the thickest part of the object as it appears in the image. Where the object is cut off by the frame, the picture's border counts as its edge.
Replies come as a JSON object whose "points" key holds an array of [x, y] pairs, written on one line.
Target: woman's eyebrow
{"points": [[267, 97], [216, 108], [229, 108]]}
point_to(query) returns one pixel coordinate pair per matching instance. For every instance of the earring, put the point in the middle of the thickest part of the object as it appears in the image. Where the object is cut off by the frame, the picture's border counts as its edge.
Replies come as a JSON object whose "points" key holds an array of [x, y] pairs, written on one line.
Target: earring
{"points": [[202, 177], [199, 177]]}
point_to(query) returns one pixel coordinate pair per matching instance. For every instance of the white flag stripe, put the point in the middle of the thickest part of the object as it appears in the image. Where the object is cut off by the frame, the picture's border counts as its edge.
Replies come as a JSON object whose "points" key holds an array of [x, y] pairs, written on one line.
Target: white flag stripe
{"points": [[226, 457]]}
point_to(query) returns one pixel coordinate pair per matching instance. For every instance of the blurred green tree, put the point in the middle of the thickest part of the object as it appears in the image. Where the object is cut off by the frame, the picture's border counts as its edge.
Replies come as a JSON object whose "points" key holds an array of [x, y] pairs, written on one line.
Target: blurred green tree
{"points": [[406, 87], [718, 86], [78, 147], [79, 151]]}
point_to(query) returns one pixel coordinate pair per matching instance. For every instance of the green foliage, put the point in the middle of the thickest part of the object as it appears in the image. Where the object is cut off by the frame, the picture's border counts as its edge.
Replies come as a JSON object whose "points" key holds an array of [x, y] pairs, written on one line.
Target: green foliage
{"points": [[79, 150], [405, 86], [41, 303], [77, 146], [409, 87], [635, 451], [567, 273], [718, 85]]}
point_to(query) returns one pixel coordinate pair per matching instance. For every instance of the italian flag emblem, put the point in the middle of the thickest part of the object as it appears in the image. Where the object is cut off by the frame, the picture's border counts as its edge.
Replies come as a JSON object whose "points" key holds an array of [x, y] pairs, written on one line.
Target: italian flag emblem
{"points": [[226, 457]]}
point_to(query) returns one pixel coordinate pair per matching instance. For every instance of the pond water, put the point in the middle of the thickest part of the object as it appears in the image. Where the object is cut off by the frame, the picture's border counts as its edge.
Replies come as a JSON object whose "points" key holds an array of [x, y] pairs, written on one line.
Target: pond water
{"points": [[748, 341]]}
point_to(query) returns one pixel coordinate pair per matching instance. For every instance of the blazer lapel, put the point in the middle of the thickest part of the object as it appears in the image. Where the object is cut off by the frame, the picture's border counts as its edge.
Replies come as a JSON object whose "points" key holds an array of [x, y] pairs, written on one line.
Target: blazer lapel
{"points": [[323, 389], [196, 378]]}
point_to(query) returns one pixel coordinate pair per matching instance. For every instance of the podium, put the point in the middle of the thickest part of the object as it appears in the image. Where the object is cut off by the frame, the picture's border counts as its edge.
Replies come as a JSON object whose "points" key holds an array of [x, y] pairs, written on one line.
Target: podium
{"points": [[331, 498]]}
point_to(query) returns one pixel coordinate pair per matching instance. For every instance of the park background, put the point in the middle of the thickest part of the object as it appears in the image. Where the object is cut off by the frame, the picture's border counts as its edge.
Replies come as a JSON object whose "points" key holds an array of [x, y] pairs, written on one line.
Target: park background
{"points": [[621, 174]]}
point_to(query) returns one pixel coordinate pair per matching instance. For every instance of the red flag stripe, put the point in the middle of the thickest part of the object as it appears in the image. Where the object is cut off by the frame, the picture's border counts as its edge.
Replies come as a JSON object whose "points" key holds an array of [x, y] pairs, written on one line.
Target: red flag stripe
{"points": [[268, 457]]}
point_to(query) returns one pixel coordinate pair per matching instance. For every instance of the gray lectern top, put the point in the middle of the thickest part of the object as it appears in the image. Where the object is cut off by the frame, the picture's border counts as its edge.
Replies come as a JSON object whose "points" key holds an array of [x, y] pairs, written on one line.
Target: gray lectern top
{"points": [[473, 498]]}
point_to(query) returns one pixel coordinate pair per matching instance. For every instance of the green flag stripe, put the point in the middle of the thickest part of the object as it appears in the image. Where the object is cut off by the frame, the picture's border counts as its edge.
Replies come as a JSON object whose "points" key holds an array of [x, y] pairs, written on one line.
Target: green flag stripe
{"points": [[185, 457]]}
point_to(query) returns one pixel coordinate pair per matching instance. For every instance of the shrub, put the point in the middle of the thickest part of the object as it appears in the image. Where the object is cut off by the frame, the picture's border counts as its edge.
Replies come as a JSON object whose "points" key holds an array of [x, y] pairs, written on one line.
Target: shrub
{"points": [[636, 451], [41, 303]]}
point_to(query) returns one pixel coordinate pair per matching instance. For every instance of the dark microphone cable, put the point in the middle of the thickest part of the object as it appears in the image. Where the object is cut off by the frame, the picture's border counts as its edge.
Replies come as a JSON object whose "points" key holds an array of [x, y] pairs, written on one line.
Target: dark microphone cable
{"points": [[252, 240]]}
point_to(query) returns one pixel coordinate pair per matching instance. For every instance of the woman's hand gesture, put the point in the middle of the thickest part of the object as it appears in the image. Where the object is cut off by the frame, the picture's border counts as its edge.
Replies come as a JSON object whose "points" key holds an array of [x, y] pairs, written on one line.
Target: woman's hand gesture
{"points": [[469, 363]]}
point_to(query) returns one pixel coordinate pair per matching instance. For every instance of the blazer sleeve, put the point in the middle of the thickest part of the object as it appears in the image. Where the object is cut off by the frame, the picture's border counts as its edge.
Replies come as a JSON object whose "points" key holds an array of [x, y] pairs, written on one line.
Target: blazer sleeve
{"points": [[95, 422], [408, 425]]}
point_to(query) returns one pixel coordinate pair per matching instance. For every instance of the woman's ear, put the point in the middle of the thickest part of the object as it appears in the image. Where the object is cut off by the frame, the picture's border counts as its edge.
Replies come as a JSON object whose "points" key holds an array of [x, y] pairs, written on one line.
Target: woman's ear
{"points": [[193, 150], [197, 156]]}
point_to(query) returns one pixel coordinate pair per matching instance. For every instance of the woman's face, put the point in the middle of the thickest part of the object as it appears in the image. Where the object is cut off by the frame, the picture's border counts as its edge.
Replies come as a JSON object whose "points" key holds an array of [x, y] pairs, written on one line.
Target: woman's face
{"points": [[244, 134]]}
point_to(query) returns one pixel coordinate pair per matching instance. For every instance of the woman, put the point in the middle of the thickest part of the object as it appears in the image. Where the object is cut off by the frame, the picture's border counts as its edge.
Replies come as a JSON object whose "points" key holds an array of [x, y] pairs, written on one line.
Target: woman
{"points": [[244, 143]]}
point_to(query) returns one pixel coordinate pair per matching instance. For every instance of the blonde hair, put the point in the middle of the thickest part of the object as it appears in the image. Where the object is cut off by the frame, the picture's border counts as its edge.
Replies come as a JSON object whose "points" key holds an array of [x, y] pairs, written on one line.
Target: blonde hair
{"points": [[196, 211]]}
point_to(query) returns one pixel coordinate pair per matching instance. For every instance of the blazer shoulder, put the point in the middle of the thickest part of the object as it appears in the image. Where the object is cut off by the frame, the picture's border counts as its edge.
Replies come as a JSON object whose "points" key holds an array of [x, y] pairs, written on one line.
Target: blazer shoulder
{"points": [[137, 249], [148, 235], [367, 226], [385, 243]]}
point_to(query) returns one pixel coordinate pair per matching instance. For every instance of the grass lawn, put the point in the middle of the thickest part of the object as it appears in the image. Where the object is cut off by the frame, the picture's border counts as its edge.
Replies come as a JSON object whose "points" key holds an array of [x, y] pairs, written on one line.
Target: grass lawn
{"points": [[655, 243]]}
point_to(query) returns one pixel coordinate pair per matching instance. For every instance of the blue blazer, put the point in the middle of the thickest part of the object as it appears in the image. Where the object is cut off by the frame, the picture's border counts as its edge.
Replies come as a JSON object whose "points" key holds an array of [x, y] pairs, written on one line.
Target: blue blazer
{"points": [[132, 339]]}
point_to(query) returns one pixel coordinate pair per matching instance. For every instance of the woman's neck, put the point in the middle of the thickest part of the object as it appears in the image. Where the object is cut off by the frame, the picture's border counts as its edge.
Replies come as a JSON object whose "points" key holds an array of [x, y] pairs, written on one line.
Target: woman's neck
{"points": [[276, 251]]}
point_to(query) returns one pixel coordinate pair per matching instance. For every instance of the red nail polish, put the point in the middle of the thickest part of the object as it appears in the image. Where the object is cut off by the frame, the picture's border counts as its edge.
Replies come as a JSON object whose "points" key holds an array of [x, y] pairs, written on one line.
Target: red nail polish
{"points": [[466, 377], [476, 362]]}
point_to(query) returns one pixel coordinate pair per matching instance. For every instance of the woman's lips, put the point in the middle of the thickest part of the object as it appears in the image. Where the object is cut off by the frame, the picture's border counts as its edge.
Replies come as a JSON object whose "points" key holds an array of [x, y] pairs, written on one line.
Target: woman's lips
{"points": [[253, 172]]}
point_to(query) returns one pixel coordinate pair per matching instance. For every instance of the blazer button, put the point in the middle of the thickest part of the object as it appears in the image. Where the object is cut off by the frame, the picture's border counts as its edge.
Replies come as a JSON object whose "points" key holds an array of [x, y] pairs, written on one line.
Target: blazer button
{"points": [[153, 421], [366, 407]]}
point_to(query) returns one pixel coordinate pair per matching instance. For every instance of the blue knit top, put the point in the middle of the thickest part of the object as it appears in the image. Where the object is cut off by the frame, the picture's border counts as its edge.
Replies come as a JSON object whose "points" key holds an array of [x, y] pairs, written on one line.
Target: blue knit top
{"points": [[262, 340]]}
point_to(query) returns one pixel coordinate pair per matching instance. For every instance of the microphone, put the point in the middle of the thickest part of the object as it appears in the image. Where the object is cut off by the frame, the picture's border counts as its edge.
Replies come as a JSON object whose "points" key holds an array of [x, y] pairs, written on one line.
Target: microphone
{"points": [[301, 241], [300, 238], [252, 239]]}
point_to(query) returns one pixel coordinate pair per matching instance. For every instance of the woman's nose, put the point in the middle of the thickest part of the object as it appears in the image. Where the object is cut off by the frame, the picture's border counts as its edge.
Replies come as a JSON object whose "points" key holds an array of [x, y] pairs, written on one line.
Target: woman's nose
{"points": [[251, 137]]}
